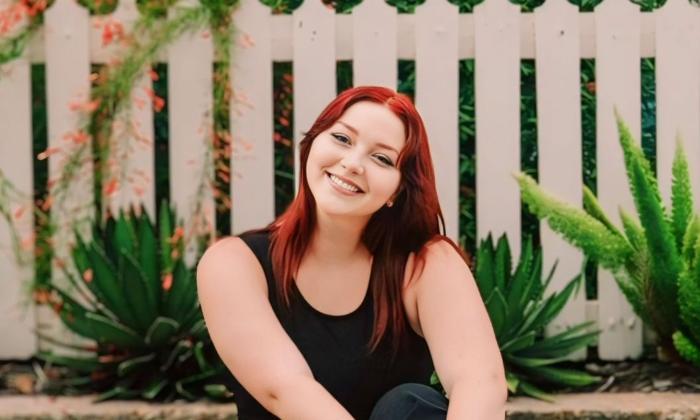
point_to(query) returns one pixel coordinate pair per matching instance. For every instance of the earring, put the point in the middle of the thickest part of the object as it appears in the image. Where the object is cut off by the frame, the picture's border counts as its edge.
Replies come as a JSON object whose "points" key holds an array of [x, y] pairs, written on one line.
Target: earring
{"points": [[389, 203]]}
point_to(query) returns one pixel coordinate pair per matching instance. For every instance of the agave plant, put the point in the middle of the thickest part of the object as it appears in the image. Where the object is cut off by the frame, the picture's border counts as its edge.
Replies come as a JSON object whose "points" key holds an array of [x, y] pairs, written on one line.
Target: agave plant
{"points": [[134, 296], [519, 313], [655, 261]]}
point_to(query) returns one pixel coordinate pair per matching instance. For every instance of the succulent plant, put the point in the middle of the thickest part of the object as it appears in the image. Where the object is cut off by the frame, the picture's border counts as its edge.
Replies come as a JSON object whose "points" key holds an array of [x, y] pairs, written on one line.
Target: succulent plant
{"points": [[133, 295], [655, 260], [519, 313]]}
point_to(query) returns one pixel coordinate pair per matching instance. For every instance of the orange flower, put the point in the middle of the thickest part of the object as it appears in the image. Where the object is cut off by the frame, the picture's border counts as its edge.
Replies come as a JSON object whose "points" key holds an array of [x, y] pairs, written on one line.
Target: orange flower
{"points": [[111, 187], [158, 102], [87, 275], [78, 137], [89, 106], [48, 152], [590, 86], [19, 212], [41, 296], [112, 30], [167, 281], [153, 74]]}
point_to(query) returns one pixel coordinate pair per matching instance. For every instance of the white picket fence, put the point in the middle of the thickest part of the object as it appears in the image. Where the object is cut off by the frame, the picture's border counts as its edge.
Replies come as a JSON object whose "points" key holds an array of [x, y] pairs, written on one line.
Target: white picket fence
{"points": [[497, 35]]}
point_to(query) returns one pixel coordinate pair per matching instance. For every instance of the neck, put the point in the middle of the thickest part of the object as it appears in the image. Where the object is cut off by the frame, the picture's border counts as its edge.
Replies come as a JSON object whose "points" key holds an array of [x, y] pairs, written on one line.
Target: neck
{"points": [[338, 239]]}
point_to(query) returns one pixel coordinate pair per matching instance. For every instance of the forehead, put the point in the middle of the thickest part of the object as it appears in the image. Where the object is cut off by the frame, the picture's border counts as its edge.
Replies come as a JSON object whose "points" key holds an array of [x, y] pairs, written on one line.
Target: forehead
{"points": [[375, 122]]}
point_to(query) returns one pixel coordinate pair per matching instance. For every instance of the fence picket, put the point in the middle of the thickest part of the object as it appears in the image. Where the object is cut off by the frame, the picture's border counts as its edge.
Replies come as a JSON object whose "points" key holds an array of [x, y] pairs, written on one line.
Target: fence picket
{"points": [[190, 99], [67, 87], [313, 67], [375, 44], [132, 141], [16, 309], [437, 99], [251, 122], [557, 48], [678, 91], [618, 85], [497, 82]]}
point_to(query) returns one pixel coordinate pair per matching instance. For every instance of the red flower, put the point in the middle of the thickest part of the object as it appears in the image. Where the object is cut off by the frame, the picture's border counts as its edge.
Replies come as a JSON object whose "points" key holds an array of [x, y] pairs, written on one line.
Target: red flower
{"points": [[167, 281]]}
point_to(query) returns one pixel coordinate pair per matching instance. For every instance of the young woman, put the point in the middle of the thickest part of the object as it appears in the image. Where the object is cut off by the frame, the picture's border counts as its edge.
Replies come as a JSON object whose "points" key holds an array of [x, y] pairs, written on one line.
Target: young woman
{"points": [[343, 306]]}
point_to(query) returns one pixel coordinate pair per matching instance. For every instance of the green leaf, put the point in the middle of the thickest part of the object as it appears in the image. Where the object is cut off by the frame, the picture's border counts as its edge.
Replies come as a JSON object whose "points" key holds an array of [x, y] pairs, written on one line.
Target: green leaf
{"points": [[182, 295], [217, 391], [518, 290], [72, 313], [563, 376], [553, 305], [533, 362], [154, 389], [575, 225], [532, 391], [498, 310], [681, 194], [166, 233], [124, 236], [485, 271], [135, 363], [181, 385], [148, 259], [689, 350], [513, 381], [118, 392], [78, 364], [135, 285], [199, 356], [503, 266], [593, 207], [690, 241], [162, 330], [633, 231], [180, 348], [106, 281], [519, 342], [110, 332]]}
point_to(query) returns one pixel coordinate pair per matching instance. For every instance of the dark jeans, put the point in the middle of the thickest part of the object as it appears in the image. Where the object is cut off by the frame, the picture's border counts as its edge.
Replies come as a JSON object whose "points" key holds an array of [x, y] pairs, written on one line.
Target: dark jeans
{"points": [[411, 401]]}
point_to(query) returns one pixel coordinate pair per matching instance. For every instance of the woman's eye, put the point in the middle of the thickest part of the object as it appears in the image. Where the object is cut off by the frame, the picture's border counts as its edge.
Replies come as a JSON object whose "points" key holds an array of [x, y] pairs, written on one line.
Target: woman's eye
{"points": [[385, 160], [341, 138]]}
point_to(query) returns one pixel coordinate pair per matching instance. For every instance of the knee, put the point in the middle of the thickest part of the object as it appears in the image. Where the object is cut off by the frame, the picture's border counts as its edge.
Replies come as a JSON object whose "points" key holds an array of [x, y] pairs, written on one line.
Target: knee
{"points": [[409, 391], [408, 401]]}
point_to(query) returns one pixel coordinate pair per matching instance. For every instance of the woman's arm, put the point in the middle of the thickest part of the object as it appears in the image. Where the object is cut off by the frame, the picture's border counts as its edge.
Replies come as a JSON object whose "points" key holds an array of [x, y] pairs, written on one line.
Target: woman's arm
{"points": [[458, 331], [250, 340]]}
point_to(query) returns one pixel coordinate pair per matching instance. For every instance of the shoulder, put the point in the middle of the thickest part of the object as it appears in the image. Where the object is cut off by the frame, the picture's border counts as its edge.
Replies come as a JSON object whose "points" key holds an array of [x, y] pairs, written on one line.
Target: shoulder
{"points": [[438, 255], [227, 258]]}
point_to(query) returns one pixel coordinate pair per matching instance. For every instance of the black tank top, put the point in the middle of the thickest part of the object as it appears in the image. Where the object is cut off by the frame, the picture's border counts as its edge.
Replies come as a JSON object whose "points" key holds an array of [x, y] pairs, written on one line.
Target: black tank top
{"points": [[335, 349]]}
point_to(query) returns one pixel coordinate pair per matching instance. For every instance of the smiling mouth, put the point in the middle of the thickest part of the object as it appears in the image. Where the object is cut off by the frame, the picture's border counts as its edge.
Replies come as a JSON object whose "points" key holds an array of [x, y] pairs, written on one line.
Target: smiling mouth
{"points": [[346, 187]]}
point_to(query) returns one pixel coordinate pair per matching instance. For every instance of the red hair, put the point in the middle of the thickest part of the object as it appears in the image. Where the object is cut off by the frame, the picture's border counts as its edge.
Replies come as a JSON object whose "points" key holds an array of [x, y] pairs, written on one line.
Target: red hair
{"points": [[391, 234]]}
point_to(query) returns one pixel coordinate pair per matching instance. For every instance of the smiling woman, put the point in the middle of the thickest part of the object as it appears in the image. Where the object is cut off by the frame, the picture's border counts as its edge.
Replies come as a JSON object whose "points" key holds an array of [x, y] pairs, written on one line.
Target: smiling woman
{"points": [[345, 305]]}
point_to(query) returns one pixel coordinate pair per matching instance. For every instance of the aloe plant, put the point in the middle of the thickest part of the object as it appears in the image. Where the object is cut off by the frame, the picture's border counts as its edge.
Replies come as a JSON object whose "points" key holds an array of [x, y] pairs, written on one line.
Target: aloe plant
{"points": [[133, 295], [519, 313], [655, 260]]}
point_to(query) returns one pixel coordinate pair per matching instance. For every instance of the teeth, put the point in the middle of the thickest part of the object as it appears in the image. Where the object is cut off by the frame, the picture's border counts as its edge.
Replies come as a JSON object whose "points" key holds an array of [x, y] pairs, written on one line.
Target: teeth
{"points": [[342, 184]]}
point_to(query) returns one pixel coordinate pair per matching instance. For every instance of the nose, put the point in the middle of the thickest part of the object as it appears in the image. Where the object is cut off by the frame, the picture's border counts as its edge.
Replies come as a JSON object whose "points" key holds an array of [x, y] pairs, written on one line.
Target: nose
{"points": [[353, 163]]}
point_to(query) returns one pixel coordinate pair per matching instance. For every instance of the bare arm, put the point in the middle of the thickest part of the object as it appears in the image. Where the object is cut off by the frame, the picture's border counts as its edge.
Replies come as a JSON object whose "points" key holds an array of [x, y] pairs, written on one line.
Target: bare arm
{"points": [[458, 331], [251, 341]]}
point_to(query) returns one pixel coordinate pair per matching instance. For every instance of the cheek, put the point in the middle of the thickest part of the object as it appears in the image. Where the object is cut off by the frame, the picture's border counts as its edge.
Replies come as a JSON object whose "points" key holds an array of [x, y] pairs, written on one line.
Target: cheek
{"points": [[388, 184]]}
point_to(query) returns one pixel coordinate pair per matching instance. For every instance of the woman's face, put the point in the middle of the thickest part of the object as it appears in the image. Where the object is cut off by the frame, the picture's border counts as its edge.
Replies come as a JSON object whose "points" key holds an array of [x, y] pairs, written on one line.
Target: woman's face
{"points": [[351, 168]]}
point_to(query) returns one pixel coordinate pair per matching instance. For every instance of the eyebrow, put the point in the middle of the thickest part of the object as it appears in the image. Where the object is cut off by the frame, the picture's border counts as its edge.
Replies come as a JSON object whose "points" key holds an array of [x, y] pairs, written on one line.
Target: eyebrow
{"points": [[354, 130]]}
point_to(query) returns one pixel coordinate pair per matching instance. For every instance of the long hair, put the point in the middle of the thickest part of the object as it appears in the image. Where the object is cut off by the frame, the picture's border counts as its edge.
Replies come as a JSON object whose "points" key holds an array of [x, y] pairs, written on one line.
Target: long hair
{"points": [[391, 234]]}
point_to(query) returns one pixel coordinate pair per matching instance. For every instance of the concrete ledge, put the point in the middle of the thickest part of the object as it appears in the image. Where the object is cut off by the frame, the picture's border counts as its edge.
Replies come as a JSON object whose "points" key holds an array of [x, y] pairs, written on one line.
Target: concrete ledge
{"points": [[614, 406], [598, 406], [74, 408]]}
